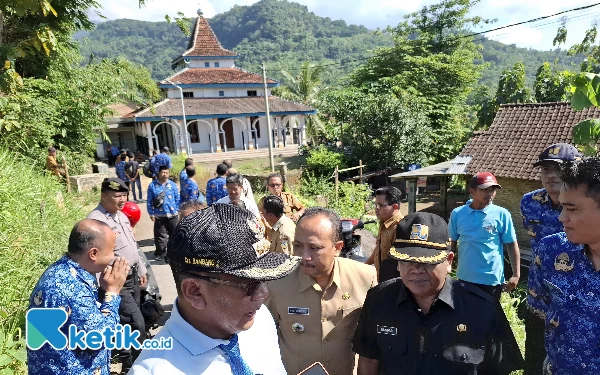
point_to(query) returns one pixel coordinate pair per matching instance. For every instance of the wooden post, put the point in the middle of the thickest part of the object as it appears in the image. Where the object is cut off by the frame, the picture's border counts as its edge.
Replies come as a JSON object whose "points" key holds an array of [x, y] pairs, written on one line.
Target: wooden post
{"points": [[444, 195], [337, 180], [66, 167], [360, 180], [411, 192], [283, 171]]}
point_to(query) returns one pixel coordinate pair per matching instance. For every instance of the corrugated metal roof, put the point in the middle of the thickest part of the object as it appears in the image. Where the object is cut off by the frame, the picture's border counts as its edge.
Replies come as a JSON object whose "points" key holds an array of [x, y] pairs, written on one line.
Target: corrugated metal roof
{"points": [[459, 165], [447, 168]]}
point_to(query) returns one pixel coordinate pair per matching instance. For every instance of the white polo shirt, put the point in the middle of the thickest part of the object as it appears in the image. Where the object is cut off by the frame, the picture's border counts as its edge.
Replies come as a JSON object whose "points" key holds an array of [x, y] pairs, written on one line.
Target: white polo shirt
{"points": [[250, 205], [195, 353]]}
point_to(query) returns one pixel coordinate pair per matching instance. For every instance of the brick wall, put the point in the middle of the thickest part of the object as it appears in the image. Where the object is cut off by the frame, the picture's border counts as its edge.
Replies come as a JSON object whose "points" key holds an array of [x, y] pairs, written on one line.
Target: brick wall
{"points": [[510, 198]]}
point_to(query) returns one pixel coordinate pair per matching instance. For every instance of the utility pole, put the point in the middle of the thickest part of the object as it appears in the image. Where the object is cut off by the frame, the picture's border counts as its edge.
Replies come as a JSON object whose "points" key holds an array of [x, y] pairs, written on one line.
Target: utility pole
{"points": [[188, 147], [268, 112]]}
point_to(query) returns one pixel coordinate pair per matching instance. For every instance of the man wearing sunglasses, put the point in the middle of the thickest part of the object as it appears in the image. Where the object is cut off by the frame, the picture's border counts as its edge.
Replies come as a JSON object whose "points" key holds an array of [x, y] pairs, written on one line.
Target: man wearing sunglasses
{"points": [[220, 262], [292, 207]]}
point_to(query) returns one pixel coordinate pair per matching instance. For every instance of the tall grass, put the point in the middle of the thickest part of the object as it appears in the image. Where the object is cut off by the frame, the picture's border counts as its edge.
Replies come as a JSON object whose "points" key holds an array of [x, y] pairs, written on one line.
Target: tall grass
{"points": [[36, 217]]}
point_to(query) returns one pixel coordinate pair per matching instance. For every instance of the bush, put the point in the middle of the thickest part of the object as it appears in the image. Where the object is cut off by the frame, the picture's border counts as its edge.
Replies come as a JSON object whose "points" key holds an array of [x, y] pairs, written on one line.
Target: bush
{"points": [[322, 162], [351, 199], [36, 218]]}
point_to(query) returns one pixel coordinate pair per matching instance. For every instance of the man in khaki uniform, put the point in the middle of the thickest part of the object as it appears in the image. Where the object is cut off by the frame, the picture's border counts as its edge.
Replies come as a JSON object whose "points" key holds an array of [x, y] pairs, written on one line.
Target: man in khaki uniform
{"points": [[292, 207], [52, 165], [316, 307], [387, 209], [282, 238]]}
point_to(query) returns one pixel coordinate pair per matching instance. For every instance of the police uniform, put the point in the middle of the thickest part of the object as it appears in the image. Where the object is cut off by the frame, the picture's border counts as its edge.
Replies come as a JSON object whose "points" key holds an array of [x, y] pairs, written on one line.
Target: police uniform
{"points": [[316, 325], [385, 240], [126, 246], [465, 330], [564, 290], [540, 218], [282, 239]]}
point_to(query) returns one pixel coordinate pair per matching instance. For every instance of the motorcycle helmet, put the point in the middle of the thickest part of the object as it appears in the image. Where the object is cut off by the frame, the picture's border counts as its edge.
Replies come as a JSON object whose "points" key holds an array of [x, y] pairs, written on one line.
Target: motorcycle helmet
{"points": [[133, 213]]}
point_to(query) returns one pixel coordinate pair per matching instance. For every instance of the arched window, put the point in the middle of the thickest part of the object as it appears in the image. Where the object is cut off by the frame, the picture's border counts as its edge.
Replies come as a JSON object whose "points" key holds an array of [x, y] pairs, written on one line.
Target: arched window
{"points": [[193, 130]]}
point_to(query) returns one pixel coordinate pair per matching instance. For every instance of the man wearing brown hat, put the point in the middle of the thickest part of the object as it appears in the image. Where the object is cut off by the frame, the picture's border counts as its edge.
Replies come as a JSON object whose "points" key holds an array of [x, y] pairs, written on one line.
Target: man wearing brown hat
{"points": [[426, 322], [112, 200], [480, 230], [219, 325], [316, 307]]}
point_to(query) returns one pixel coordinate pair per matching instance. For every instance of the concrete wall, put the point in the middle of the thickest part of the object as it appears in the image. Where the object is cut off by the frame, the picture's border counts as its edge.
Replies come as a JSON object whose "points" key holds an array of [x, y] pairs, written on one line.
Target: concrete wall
{"points": [[213, 92], [197, 63], [510, 198]]}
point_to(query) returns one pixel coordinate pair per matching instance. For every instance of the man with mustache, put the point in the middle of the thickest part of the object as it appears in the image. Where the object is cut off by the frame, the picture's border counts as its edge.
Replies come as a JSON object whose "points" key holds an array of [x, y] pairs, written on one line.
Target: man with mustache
{"points": [[564, 279], [316, 307], [541, 209], [480, 230], [220, 262], [425, 322]]}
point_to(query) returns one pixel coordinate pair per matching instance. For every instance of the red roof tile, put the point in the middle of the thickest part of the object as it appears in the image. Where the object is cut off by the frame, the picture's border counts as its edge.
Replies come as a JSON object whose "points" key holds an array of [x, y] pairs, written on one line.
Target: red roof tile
{"points": [[519, 133], [221, 106], [203, 76], [204, 42]]}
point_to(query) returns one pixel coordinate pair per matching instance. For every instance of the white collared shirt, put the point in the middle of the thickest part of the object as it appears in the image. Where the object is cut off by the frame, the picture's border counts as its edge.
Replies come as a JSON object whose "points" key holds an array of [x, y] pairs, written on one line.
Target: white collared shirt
{"points": [[195, 353], [250, 205]]}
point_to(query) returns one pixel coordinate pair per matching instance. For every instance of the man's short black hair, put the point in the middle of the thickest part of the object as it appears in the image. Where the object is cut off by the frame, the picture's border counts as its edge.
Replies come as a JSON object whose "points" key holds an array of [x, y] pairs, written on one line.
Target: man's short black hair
{"points": [[190, 171], [163, 167], [272, 204], [583, 172], [130, 155], [336, 223], [86, 234], [393, 195], [221, 169], [189, 161], [235, 178]]}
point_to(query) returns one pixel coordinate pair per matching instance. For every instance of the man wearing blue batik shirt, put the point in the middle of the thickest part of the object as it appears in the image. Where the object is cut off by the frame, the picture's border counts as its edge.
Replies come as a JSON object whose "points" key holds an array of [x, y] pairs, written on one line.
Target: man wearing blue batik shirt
{"points": [[183, 175], [189, 187], [161, 160], [70, 284], [564, 280], [479, 230], [541, 209], [216, 187], [163, 208]]}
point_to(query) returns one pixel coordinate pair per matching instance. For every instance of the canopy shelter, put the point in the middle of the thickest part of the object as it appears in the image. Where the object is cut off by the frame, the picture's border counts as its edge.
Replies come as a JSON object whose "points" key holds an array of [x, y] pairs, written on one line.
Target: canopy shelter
{"points": [[443, 170]]}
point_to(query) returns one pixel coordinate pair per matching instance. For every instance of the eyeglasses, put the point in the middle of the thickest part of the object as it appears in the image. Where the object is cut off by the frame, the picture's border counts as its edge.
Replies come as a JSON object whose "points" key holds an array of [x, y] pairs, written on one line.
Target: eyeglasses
{"points": [[379, 205], [275, 185], [249, 286]]}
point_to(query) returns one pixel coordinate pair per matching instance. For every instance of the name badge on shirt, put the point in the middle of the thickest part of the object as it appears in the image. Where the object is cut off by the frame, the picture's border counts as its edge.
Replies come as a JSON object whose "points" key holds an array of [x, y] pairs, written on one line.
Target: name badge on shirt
{"points": [[298, 310], [387, 330]]}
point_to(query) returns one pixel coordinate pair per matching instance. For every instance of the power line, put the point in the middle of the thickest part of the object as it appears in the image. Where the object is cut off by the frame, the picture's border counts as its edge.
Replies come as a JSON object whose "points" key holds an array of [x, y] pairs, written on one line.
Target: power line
{"points": [[537, 19]]}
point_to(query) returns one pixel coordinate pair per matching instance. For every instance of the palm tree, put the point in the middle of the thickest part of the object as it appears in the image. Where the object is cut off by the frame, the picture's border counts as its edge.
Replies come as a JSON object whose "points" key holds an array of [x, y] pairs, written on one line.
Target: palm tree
{"points": [[305, 88]]}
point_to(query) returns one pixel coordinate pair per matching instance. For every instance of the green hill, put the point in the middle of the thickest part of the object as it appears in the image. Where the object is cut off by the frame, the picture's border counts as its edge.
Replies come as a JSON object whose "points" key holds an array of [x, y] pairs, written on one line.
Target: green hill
{"points": [[283, 34]]}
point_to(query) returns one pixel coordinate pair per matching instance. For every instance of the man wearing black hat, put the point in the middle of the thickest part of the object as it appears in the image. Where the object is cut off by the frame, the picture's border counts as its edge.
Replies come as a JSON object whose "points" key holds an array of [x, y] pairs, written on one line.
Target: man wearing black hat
{"points": [[426, 322], [219, 325], [540, 210], [113, 197]]}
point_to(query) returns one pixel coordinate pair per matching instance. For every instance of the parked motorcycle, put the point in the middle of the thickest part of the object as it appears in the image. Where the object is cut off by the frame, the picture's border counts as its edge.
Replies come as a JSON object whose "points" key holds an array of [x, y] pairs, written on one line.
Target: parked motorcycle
{"points": [[150, 297], [352, 241]]}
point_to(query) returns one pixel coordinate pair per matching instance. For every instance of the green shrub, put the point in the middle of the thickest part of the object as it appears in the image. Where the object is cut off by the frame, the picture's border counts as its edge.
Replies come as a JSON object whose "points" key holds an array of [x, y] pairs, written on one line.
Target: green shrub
{"points": [[322, 162], [36, 217], [351, 199]]}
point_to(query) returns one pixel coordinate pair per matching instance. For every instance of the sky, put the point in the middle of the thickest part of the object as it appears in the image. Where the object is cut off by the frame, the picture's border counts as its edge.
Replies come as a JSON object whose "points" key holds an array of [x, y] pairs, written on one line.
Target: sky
{"points": [[381, 13]]}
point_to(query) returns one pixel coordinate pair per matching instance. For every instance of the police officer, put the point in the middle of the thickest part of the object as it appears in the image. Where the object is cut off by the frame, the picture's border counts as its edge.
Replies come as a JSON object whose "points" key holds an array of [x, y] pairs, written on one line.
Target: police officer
{"points": [[316, 307], [284, 228], [113, 198], [426, 322], [540, 210]]}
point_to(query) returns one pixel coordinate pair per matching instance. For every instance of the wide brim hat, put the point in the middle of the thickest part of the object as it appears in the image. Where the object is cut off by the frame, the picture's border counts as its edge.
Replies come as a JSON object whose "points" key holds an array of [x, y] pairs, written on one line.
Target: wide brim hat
{"points": [[421, 237], [226, 239]]}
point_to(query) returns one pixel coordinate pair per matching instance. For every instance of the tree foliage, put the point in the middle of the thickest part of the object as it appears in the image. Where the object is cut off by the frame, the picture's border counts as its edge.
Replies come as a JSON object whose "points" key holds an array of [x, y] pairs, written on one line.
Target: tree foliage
{"points": [[552, 86]]}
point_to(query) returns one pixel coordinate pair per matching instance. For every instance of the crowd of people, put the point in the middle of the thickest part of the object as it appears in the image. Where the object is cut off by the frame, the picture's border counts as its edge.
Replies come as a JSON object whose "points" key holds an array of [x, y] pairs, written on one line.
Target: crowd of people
{"points": [[261, 288]]}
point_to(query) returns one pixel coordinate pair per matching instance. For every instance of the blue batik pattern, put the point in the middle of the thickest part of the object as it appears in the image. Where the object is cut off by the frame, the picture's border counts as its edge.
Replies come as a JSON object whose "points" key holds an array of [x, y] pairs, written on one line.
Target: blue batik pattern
{"points": [[540, 217], [120, 171], [65, 284], [215, 190], [190, 191], [182, 177], [159, 161], [564, 289], [171, 201]]}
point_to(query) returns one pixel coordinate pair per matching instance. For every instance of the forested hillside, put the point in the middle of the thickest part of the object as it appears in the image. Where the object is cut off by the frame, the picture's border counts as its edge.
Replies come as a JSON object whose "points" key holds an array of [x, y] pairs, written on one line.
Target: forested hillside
{"points": [[282, 34]]}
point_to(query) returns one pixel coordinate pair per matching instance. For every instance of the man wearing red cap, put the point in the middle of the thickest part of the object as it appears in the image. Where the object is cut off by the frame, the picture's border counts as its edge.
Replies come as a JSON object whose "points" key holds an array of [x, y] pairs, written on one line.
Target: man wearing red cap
{"points": [[479, 230]]}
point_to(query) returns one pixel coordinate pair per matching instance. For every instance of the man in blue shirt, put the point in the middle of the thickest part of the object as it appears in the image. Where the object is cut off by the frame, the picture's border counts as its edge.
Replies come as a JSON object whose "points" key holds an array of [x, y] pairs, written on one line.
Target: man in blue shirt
{"points": [[70, 284], [163, 208], [216, 187], [183, 175], [564, 280], [160, 160], [541, 209], [189, 187], [479, 230], [122, 164]]}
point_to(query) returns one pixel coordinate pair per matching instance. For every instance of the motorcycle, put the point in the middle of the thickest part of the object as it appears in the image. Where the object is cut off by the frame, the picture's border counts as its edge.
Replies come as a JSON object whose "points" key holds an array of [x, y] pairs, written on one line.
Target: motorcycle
{"points": [[150, 297], [352, 241]]}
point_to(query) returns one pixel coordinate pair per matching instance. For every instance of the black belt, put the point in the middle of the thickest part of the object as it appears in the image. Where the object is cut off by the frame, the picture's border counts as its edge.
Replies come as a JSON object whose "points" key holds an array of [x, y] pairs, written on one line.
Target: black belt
{"points": [[132, 271]]}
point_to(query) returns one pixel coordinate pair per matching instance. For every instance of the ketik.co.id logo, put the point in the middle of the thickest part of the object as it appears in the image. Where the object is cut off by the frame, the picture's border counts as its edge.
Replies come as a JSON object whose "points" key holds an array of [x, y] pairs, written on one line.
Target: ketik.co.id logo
{"points": [[44, 326]]}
